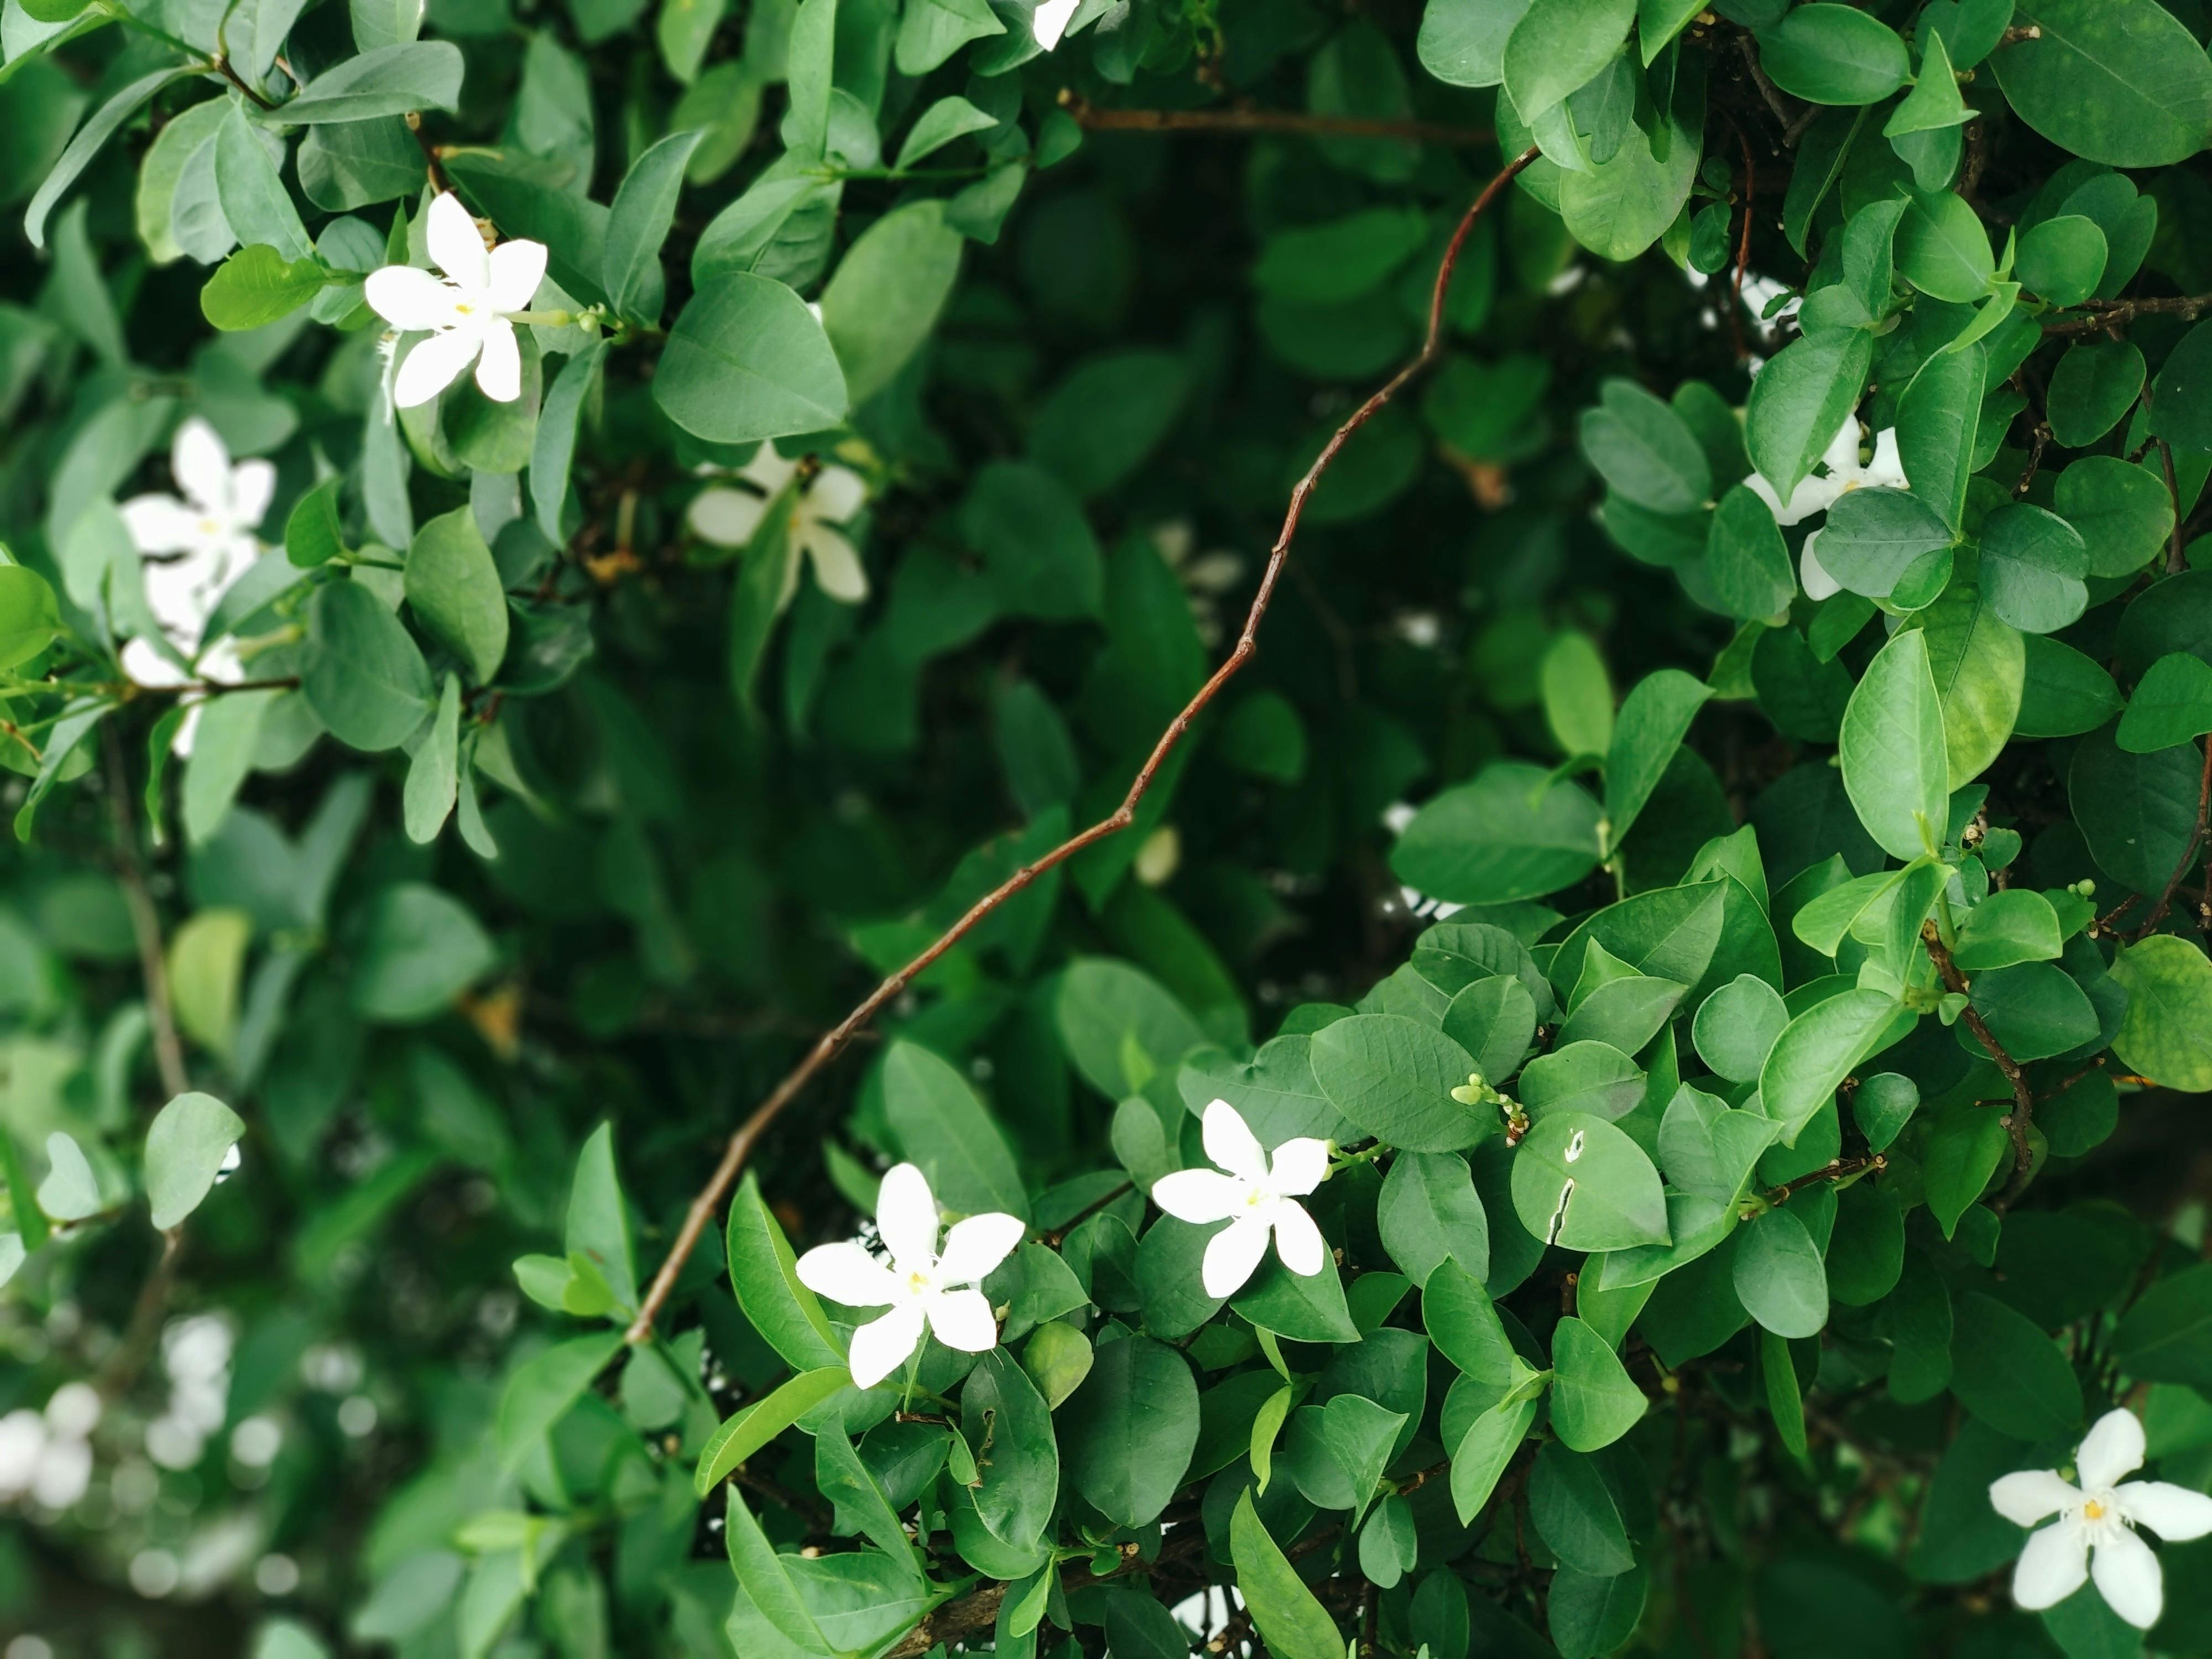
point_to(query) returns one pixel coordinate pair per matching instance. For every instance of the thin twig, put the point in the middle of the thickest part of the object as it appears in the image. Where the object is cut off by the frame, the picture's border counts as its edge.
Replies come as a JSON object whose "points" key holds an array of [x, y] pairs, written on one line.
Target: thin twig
{"points": [[136, 1347], [439, 181], [1767, 90], [2107, 314], [2018, 1121], [833, 1041], [221, 66], [2176, 557], [1836, 1169], [145, 924], [2188, 861], [1243, 119]]}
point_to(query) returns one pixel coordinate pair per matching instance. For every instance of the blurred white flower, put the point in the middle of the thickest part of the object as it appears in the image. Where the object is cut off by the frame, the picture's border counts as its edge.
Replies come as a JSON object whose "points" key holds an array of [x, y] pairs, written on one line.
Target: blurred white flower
{"points": [[1817, 494], [1257, 1198], [48, 1456], [1050, 19], [465, 314], [193, 549], [919, 1286], [729, 517], [2094, 1536]]}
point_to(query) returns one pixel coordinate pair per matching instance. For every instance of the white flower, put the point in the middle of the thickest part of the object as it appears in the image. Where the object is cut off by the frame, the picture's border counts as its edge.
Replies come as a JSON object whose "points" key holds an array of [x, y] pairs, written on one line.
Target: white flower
{"points": [[194, 549], [729, 518], [1050, 19], [1817, 495], [48, 1457], [919, 1286], [1255, 1197], [467, 314], [2098, 1516]]}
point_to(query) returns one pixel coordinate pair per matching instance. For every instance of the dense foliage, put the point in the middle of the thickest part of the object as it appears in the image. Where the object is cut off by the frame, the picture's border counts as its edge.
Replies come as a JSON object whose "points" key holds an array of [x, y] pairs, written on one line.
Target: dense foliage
{"points": [[1631, 1064]]}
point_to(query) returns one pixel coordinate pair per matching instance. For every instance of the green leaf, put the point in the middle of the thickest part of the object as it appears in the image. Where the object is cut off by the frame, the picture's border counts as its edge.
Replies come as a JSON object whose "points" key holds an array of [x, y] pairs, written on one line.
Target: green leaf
{"points": [[87, 143], [252, 195], [1036, 547], [1393, 1076], [2136, 811], [1963, 1148], [764, 1274], [754, 1426], [1645, 450], [223, 750], [417, 948], [1653, 719], [186, 1146], [1479, 1461], [1873, 538], [1779, 1277], [1299, 1307], [1938, 424], [433, 775], [1558, 46], [1736, 1027], [1980, 663], [637, 224], [1463, 1320], [1942, 249], [2166, 1033], [540, 1391], [1582, 1184], [1934, 103], [71, 1191], [363, 676], [1896, 762], [207, 956], [1801, 398], [554, 448], [453, 587], [1746, 560], [746, 360], [1593, 1400], [2062, 260], [2063, 693], [2032, 566], [30, 615], [2010, 1375], [257, 285], [1576, 1511], [1462, 42], [2120, 81], [1514, 833], [598, 1224], [942, 1128], [1289, 1619], [1834, 54], [1429, 1213], [764, 1579], [1128, 1432], [2166, 1336], [2172, 703], [1589, 1615], [1001, 1408], [887, 293], [2016, 924], [2094, 386], [390, 79], [1578, 694], [1816, 1051], [944, 120]]}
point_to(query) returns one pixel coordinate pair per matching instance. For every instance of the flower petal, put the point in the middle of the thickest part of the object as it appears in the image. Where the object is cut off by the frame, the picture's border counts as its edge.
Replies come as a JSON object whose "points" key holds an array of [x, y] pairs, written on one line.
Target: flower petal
{"points": [[456, 246], [410, 299], [252, 486], [2030, 1496], [882, 1345], [144, 665], [2112, 1450], [848, 1274], [499, 371], [1234, 1253], [725, 516], [516, 268], [2128, 1577], [2175, 1513], [906, 1215], [837, 569], [768, 469], [1841, 456], [1230, 1143], [160, 523], [434, 364], [1049, 21], [1199, 1195], [1298, 1241], [976, 1246], [837, 494], [2055, 1563], [1298, 1166], [202, 466], [1886, 469], [962, 1320], [1819, 584]]}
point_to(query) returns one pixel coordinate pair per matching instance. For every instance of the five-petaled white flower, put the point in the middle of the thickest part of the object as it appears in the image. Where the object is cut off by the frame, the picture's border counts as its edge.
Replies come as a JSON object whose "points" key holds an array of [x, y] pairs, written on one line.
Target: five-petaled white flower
{"points": [[1050, 20], [919, 1286], [2099, 1515], [1256, 1197], [1817, 495], [729, 517], [193, 549], [467, 314]]}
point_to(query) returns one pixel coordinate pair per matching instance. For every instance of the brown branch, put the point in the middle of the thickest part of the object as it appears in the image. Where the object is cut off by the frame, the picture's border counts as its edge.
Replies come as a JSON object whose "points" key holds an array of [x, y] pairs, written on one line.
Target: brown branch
{"points": [[439, 181], [221, 64], [136, 1347], [2197, 835], [1836, 1169], [2177, 559], [1767, 90], [833, 1041], [2108, 315], [2018, 1121], [1052, 1240], [1242, 119]]}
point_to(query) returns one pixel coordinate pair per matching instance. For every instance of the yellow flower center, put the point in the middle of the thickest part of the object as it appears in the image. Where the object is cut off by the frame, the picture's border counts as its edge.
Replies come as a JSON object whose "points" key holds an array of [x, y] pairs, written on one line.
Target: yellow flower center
{"points": [[210, 527], [1252, 1198], [917, 1281], [2092, 1510]]}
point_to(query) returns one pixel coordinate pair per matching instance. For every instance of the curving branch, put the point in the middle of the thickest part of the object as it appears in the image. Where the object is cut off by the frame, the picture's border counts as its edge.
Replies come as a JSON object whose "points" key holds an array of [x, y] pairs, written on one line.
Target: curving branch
{"points": [[833, 1041], [2105, 316], [2018, 1121]]}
